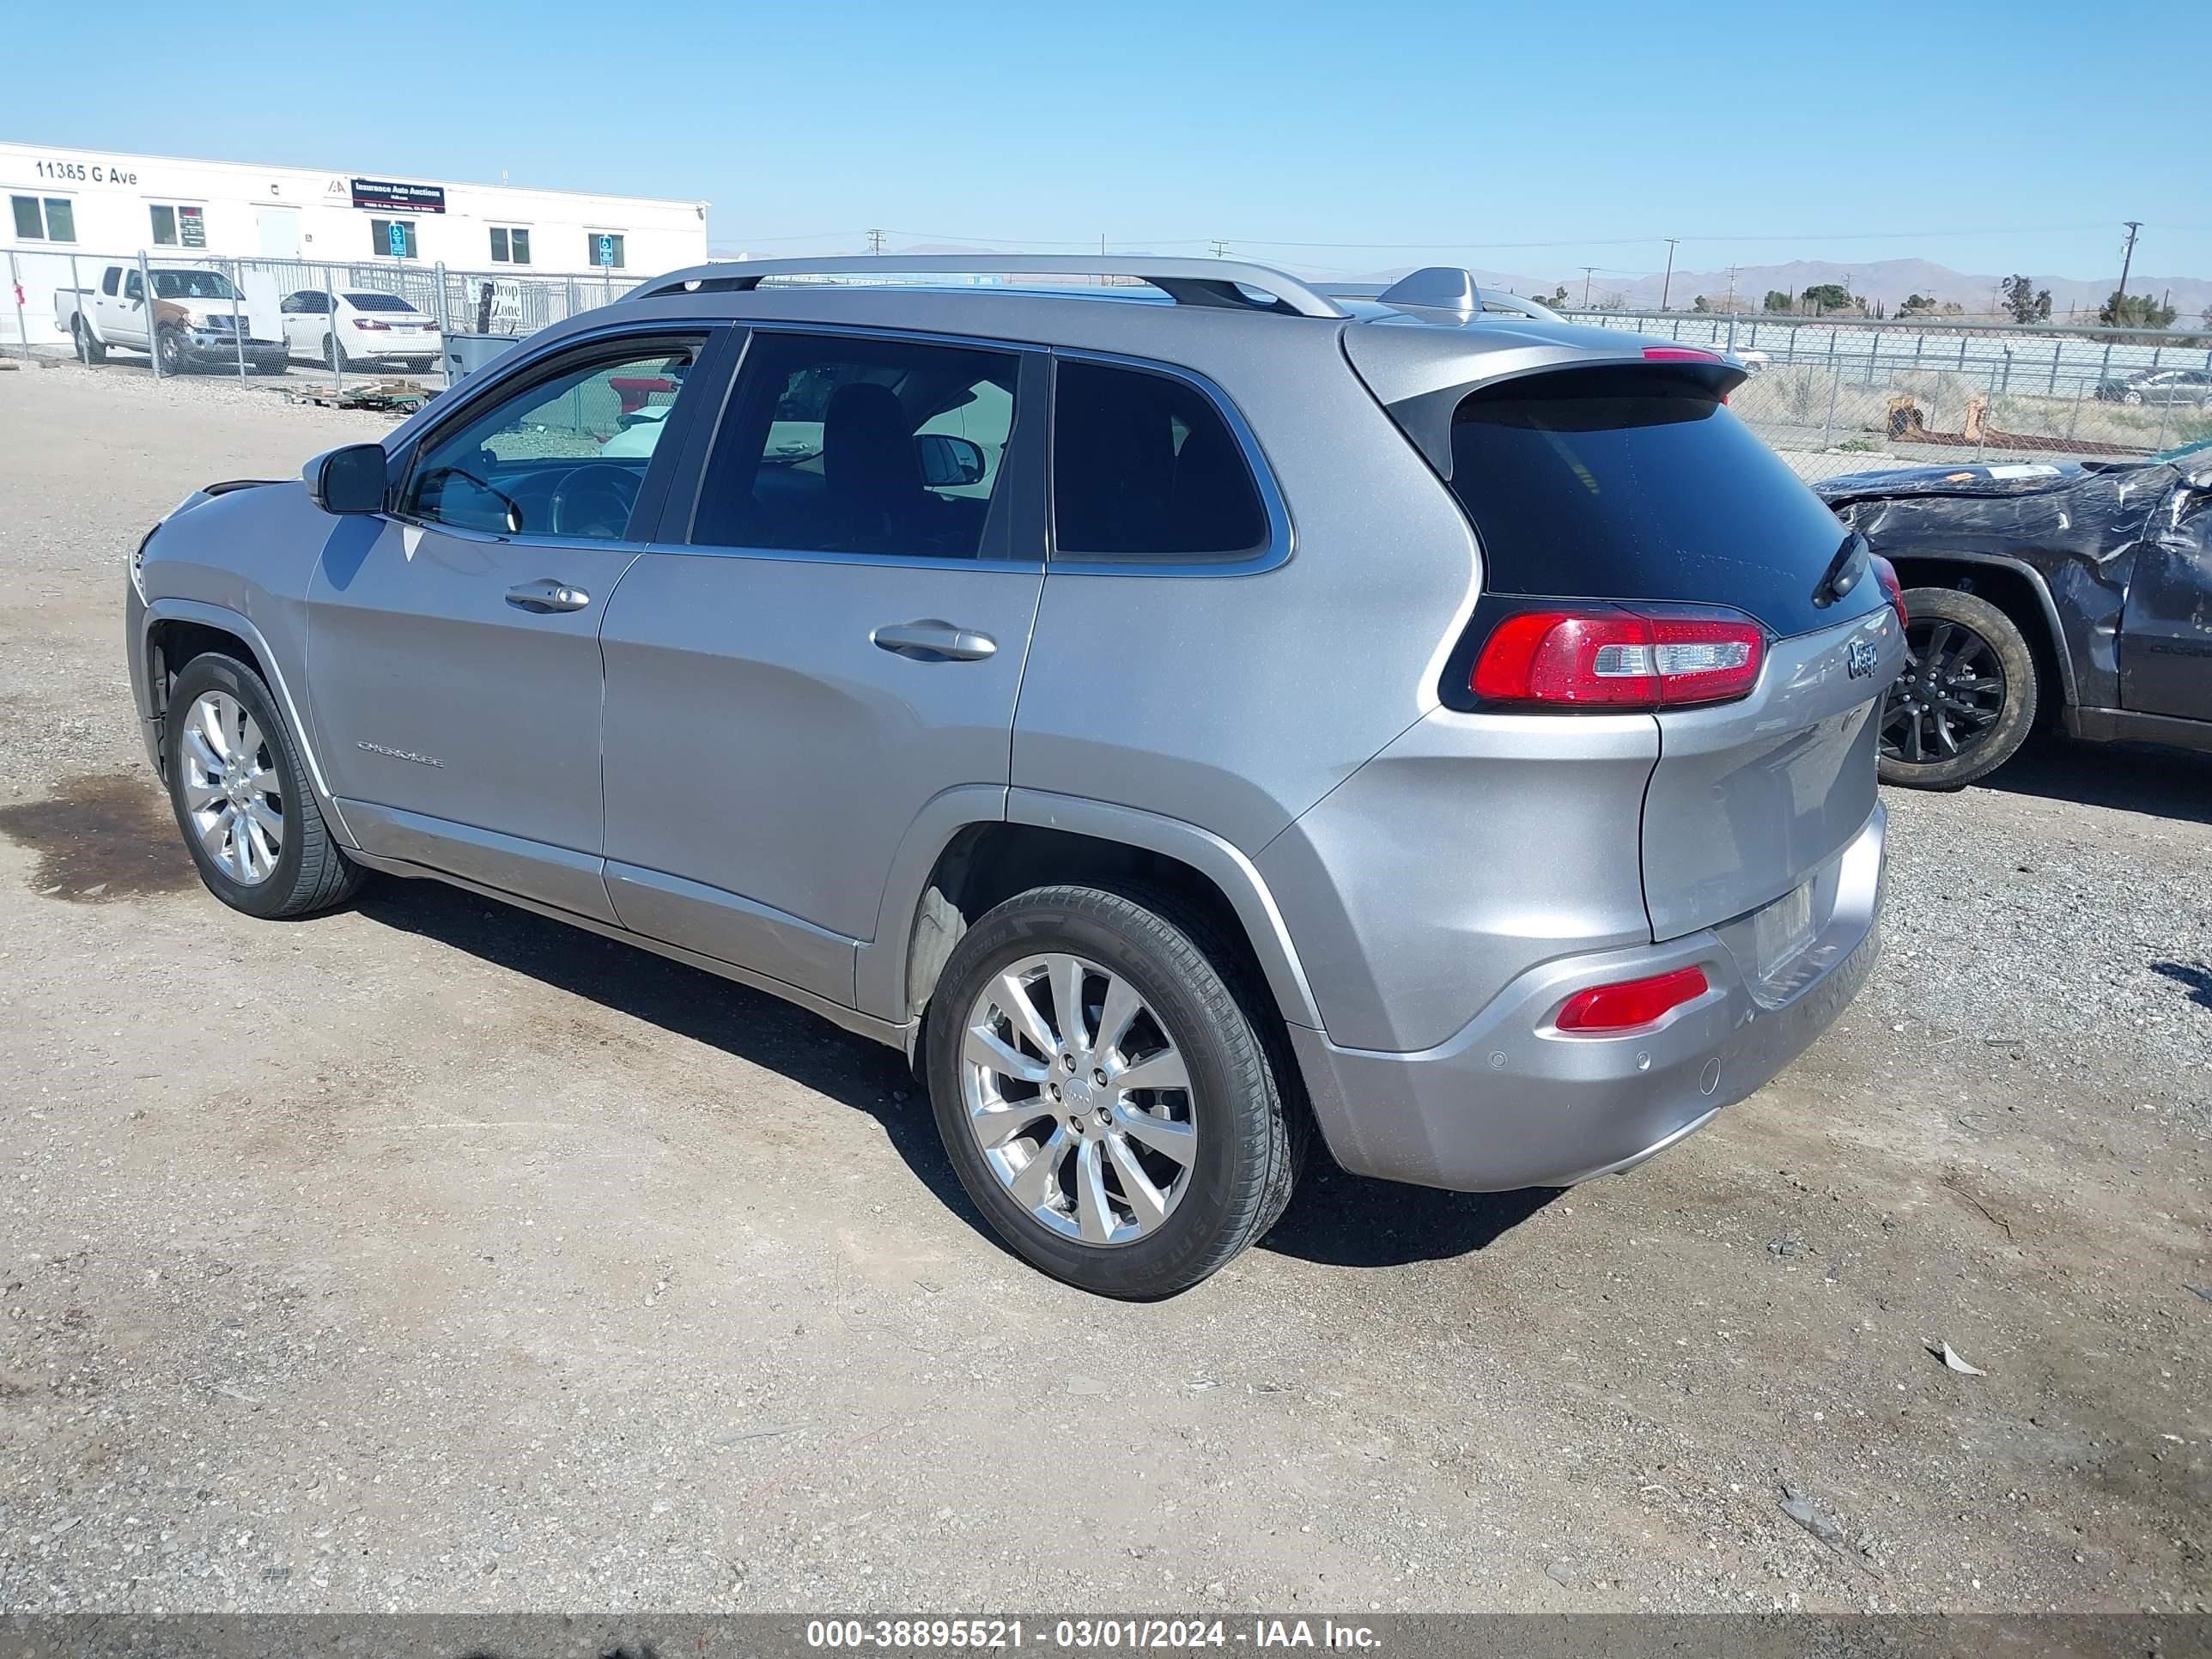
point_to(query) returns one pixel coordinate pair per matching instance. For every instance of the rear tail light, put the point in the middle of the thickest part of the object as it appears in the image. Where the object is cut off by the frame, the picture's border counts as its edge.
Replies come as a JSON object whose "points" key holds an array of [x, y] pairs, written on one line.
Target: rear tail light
{"points": [[1612, 658], [1886, 574], [370, 322], [1623, 1007]]}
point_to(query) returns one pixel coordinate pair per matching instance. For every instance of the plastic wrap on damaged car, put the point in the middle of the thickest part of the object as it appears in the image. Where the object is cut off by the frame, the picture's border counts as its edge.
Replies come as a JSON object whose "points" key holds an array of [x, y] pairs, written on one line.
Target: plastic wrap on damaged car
{"points": [[2078, 528]]}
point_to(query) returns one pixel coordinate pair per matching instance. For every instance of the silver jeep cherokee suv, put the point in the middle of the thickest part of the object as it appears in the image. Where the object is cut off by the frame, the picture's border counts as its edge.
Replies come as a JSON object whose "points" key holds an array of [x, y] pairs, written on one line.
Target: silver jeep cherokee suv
{"points": [[1177, 711]]}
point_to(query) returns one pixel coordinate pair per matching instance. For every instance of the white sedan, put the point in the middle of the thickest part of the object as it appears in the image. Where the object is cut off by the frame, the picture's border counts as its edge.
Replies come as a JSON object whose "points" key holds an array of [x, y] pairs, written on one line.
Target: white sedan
{"points": [[367, 327]]}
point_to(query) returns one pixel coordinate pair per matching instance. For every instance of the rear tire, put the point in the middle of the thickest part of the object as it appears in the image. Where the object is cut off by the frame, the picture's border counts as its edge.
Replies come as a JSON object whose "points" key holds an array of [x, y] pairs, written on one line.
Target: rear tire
{"points": [[334, 354], [89, 350], [1966, 701], [1221, 1147], [224, 729]]}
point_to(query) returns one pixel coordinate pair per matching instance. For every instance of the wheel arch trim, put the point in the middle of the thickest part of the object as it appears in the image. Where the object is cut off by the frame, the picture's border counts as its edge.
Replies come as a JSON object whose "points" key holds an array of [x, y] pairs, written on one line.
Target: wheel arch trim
{"points": [[233, 622], [2037, 585], [1219, 861], [881, 973]]}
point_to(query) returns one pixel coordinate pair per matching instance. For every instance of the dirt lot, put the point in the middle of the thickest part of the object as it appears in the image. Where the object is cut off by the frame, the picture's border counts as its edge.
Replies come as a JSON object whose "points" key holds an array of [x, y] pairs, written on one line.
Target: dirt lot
{"points": [[428, 1255]]}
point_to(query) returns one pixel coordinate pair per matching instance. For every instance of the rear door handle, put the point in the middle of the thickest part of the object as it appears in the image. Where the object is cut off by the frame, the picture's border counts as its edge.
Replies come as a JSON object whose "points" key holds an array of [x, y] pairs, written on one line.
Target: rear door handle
{"points": [[931, 640], [546, 594]]}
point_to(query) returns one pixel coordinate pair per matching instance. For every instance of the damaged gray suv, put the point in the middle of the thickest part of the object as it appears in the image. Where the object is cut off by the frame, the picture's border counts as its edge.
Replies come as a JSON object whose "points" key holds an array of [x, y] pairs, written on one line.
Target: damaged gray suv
{"points": [[1183, 709]]}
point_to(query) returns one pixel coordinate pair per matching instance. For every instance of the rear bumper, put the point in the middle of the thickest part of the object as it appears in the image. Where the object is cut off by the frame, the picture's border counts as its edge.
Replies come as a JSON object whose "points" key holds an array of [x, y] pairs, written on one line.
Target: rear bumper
{"points": [[1510, 1101]]}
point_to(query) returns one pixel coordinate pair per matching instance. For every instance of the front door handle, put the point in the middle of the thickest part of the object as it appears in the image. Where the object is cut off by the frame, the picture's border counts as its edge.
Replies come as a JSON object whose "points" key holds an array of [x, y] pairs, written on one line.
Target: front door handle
{"points": [[546, 594], [931, 640]]}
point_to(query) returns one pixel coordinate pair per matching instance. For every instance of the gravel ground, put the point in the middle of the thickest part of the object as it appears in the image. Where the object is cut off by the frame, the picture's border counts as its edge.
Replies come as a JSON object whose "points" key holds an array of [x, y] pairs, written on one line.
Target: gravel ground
{"points": [[431, 1256]]}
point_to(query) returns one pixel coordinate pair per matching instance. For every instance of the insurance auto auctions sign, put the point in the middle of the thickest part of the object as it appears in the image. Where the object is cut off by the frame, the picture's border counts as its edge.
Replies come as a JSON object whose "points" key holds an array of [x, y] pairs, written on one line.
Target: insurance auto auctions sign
{"points": [[406, 199]]}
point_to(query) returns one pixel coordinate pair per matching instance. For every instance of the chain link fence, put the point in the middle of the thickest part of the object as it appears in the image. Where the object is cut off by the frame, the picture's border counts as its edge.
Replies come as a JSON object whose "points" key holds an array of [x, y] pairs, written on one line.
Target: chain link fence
{"points": [[1832, 395], [1844, 396], [339, 324]]}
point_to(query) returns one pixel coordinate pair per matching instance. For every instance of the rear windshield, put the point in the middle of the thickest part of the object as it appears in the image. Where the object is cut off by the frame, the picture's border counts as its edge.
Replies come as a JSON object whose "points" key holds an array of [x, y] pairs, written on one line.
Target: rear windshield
{"points": [[1636, 485], [378, 302]]}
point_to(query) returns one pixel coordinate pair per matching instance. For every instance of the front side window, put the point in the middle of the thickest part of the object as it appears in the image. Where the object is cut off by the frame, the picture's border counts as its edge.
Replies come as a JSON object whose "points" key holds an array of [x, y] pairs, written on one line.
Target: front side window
{"points": [[604, 249], [1145, 466], [849, 445], [392, 239], [563, 457], [44, 218]]}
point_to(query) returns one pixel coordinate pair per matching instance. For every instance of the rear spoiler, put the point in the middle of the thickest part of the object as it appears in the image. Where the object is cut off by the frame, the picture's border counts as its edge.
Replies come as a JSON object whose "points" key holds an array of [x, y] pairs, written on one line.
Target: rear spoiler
{"points": [[1420, 376]]}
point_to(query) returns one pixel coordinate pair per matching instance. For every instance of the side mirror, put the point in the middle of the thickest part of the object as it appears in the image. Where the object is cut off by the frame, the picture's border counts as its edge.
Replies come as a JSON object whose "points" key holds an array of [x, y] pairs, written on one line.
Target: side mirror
{"points": [[352, 479], [948, 462]]}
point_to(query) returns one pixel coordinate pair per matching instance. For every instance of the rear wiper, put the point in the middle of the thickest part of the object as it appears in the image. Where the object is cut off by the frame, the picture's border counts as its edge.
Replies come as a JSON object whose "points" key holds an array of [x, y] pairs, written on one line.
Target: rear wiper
{"points": [[1843, 573]]}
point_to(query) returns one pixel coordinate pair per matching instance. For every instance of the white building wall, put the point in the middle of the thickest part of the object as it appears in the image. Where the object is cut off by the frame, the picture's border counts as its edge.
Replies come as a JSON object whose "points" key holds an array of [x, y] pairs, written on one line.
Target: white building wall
{"points": [[255, 212]]}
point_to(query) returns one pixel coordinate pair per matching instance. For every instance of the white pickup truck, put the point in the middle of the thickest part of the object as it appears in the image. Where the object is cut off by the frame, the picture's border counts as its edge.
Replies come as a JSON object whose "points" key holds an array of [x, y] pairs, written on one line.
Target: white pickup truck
{"points": [[196, 318]]}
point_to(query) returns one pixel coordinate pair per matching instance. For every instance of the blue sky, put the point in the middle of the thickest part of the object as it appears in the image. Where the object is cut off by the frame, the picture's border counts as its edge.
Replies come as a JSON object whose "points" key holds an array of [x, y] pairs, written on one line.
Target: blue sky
{"points": [[2013, 137]]}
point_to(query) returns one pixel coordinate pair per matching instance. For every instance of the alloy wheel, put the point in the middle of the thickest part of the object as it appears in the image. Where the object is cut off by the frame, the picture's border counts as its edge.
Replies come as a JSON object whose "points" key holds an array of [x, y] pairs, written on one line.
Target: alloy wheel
{"points": [[1078, 1099], [1949, 697], [232, 792]]}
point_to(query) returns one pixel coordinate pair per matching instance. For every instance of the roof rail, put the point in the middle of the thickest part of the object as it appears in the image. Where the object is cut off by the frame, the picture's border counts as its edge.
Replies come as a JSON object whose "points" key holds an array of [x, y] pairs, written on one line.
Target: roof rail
{"points": [[1222, 283], [1443, 288]]}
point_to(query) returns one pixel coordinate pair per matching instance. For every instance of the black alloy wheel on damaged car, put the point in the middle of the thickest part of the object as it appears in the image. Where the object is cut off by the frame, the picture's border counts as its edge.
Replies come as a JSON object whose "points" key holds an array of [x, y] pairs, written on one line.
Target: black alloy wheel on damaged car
{"points": [[1967, 699]]}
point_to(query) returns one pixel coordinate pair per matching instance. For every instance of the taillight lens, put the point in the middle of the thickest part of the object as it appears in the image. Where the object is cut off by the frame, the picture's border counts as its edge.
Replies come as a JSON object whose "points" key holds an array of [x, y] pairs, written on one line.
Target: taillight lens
{"points": [[1632, 1003], [370, 322], [1616, 659], [1886, 574]]}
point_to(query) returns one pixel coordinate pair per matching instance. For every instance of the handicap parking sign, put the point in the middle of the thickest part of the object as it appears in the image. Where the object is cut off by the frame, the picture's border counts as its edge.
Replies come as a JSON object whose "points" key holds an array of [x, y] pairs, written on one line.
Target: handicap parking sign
{"points": [[606, 250], [396, 233]]}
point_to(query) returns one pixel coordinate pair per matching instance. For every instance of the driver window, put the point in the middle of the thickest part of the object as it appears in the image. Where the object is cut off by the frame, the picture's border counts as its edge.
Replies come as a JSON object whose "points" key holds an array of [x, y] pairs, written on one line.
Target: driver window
{"points": [[562, 457]]}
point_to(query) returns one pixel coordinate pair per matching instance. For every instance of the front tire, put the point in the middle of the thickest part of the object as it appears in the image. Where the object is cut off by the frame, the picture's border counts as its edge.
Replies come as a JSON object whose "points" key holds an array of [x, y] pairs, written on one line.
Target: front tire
{"points": [[238, 785], [1966, 700], [169, 348], [1107, 1099]]}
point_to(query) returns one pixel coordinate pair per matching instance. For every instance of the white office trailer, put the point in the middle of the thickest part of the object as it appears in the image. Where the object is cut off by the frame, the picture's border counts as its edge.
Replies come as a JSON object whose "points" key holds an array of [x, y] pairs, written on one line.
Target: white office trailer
{"points": [[63, 200]]}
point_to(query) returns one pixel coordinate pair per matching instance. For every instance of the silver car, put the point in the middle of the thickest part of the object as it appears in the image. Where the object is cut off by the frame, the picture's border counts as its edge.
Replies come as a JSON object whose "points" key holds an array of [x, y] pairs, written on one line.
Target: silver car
{"points": [[1181, 713]]}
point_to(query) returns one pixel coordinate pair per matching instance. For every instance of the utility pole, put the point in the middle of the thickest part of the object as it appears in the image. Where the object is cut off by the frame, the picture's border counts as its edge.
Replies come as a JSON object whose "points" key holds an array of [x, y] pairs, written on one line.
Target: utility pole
{"points": [[1668, 282], [1731, 299], [1587, 269], [875, 241], [1220, 248], [2127, 259]]}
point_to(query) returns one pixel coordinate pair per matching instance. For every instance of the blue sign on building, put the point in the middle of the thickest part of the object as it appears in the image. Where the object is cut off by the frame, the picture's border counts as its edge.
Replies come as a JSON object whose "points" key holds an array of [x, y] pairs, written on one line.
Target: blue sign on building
{"points": [[606, 250], [396, 233]]}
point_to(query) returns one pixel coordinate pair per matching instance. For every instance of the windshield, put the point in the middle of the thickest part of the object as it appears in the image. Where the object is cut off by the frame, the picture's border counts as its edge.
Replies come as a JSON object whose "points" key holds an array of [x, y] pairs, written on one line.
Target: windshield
{"points": [[193, 285], [1625, 484]]}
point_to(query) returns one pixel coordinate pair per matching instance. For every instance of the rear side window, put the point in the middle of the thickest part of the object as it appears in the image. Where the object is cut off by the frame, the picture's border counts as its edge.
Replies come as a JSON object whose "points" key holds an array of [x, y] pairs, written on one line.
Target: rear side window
{"points": [[847, 443], [371, 301], [1636, 485], [1144, 465]]}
